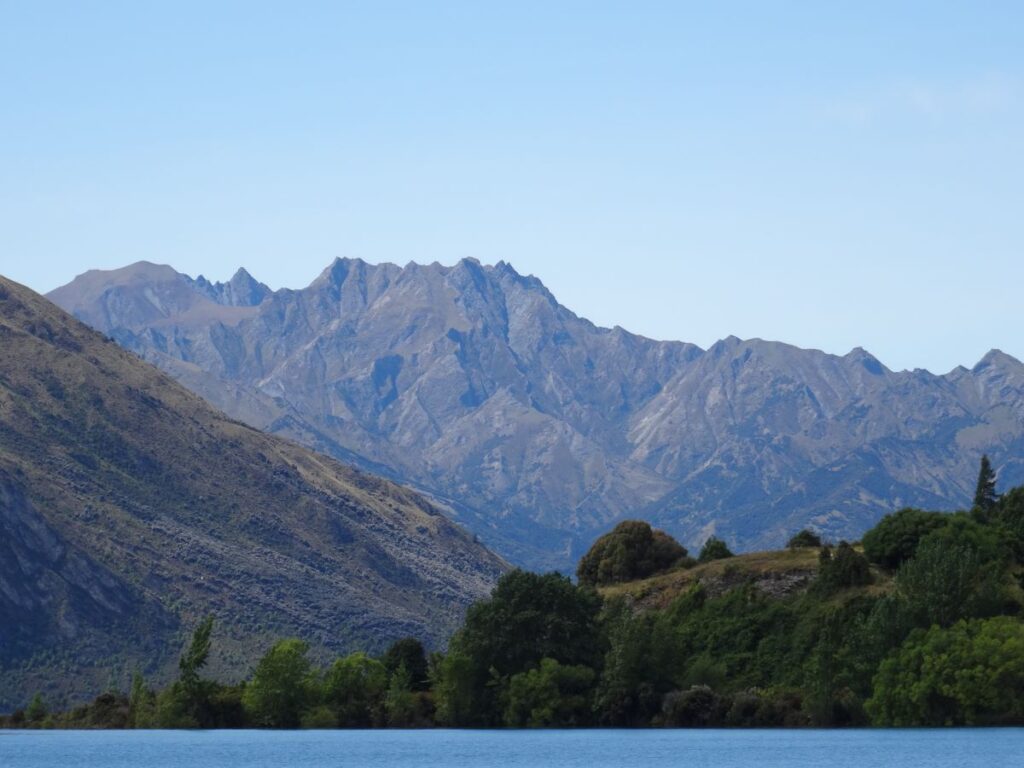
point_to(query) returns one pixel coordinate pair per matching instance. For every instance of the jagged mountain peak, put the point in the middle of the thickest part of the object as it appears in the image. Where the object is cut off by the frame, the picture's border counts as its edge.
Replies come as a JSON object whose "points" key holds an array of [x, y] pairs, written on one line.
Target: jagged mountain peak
{"points": [[996, 358], [242, 290], [541, 429]]}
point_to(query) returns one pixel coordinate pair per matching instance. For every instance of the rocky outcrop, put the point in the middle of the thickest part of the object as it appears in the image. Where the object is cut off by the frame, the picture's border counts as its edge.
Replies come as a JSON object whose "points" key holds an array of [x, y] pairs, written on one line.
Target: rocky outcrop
{"points": [[539, 430]]}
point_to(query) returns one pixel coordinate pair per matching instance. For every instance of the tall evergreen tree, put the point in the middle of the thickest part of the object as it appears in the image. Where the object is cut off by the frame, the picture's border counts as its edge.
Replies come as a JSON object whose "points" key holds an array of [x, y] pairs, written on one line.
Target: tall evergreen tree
{"points": [[985, 496], [194, 659]]}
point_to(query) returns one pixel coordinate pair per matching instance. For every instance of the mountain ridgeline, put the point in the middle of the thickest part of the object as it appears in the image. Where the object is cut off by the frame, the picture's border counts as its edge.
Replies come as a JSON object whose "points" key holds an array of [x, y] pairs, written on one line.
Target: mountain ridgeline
{"points": [[129, 507], [538, 430]]}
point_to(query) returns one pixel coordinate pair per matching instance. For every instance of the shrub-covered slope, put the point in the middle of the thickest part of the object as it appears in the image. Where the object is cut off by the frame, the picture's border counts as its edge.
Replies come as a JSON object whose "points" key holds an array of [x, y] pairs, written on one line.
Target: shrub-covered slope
{"points": [[129, 508]]}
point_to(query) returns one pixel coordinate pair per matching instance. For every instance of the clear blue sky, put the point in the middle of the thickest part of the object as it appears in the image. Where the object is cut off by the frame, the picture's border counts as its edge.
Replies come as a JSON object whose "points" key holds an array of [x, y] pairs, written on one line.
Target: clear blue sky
{"points": [[826, 176]]}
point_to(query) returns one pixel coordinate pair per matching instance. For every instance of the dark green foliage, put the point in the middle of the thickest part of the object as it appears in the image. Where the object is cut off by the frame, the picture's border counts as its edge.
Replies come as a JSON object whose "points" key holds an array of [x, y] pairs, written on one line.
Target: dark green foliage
{"points": [[226, 708], [108, 710], [455, 687], [529, 617], [949, 579], [141, 704], [756, 708], [194, 659], [841, 569], [804, 538], [895, 538], [400, 703], [633, 550], [985, 497], [1009, 516], [714, 549], [408, 652], [917, 648], [969, 674], [989, 540], [830, 673], [550, 696], [744, 631], [186, 704], [636, 675], [36, 710], [697, 707]]}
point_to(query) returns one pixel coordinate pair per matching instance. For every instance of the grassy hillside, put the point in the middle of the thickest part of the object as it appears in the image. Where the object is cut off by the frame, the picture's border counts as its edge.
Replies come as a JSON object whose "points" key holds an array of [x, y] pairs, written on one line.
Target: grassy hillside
{"points": [[776, 573], [129, 508]]}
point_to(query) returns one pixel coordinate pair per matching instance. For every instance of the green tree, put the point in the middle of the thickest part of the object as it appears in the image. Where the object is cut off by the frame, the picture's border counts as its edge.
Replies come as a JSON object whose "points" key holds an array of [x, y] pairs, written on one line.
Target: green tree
{"points": [[354, 688], [985, 496], [804, 538], [969, 674], [988, 539], [830, 701], [550, 696], [455, 688], [186, 703], [632, 550], [400, 703], [194, 659], [280, 688], [631, 686], [141, 703], [696, 707], [1009, 515], [895, 538], [949, 579], [841, 569], [36, 710], [527, 618], [714, 549], [408, 652]]}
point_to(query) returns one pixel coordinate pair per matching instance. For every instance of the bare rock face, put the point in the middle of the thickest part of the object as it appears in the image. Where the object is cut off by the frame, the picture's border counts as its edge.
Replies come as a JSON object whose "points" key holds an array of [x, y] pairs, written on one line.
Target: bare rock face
{"points": [[540, 430]]}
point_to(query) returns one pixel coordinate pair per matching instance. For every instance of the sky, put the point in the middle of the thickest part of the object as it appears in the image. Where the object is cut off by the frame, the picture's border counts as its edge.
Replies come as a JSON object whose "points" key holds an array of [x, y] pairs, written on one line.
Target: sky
{"points": [[830, 175]]}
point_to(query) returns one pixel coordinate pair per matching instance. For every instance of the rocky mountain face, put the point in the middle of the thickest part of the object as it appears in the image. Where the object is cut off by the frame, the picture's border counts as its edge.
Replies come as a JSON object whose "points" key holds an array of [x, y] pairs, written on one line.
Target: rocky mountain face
{"points": [[539, 430], [130, 508]]}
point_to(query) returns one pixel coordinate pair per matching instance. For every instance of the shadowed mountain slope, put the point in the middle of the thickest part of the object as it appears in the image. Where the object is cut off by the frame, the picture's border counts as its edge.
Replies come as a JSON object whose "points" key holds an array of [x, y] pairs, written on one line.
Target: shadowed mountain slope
{"points": [[539, 430], [129, 508]]}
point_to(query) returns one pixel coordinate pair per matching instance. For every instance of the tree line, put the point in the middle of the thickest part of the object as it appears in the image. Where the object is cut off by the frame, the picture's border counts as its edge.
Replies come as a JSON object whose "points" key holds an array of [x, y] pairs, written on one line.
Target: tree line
{"points": [[918, 624]]}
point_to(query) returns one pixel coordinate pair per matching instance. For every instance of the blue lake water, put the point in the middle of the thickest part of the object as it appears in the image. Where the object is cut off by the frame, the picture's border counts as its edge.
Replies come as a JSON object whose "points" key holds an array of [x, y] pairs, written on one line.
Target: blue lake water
{"points": [[990, 748]]}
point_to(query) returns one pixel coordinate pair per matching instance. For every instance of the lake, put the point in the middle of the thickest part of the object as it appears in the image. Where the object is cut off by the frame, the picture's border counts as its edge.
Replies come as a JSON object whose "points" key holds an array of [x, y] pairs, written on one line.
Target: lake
{"points": [[990, 748]]}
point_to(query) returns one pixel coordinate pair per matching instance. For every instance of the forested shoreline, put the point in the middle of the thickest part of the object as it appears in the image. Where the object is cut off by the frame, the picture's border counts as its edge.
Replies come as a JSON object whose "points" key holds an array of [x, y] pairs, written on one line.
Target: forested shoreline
{"points": [[919, 624]]}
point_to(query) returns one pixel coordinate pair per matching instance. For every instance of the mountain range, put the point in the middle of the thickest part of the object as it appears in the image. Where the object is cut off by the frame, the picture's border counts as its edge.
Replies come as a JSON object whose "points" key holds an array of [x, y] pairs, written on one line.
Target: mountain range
{"points": [[130, 508], [538, 430]]}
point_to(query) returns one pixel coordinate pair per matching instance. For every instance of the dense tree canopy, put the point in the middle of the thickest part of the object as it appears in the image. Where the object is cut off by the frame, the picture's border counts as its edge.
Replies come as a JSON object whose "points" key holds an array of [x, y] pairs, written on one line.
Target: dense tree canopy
{"points": [[279, 691], [354, 689], [896, 536], [842, 569], [551, 695], [931, 634], [408, 652], [529, 617], [969, 674], [949, 579], [632, 550], [804, 538]]}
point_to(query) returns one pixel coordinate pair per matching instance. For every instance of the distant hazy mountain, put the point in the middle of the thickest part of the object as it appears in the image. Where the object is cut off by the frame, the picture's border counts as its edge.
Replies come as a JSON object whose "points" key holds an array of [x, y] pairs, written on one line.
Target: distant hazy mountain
{"points": [[129, 508], [539, 429]]}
